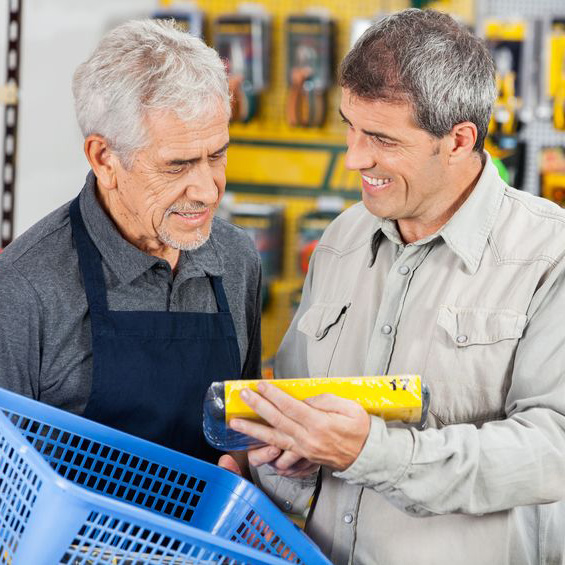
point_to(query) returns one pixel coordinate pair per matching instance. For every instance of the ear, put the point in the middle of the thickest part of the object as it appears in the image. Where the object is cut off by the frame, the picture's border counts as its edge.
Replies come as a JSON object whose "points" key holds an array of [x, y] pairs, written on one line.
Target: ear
{"points": [[462, 139], [102, 160]]}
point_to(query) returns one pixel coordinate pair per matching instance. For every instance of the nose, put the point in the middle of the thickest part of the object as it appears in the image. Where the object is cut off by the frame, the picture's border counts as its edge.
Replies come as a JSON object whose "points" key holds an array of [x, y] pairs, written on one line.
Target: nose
{"points": [[360, 155], [203, 186]]}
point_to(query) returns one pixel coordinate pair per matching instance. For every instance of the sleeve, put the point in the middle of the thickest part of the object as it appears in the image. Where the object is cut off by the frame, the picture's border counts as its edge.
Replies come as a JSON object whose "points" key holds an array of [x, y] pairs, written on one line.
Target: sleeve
{"points": [[517, 461], [291, 495], [20, 335], [252, 365]]}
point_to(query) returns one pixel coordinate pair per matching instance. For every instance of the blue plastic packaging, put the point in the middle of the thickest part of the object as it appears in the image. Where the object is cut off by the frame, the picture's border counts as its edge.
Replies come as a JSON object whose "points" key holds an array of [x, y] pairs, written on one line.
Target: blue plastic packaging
{"points": [[76, 492]]}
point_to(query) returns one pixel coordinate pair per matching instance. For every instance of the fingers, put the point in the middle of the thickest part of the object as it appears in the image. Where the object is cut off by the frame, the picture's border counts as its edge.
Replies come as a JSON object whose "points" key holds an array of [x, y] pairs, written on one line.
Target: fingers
{"points": [[333, 403], [281, 417], [230, 464], [287, 460], [262, 455], [287, 465], [276, 407], [265, 434], [300, 470]]}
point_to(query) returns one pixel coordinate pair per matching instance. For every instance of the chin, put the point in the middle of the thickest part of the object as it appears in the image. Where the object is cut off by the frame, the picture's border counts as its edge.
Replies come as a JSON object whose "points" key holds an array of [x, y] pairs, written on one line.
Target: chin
{"points": [[197, 239]]}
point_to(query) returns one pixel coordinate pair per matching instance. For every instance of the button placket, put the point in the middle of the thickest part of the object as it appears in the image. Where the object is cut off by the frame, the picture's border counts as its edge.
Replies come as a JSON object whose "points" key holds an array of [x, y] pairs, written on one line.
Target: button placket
{"points": [[397, 282]]}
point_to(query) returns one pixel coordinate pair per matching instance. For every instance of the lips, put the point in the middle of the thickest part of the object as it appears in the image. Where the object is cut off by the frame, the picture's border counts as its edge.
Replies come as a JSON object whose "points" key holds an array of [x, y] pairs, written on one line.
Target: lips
{"points": [[193, 219], [374, 185]]}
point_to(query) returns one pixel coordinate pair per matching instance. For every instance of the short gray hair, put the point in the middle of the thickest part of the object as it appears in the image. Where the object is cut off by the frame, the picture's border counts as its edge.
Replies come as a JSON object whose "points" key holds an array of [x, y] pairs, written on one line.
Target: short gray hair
{"points": [[141, 66], [425, 58]]}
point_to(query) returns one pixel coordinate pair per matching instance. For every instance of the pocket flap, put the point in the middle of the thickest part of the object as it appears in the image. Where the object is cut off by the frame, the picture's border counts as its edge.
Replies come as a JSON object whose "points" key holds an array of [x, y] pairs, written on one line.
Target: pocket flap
{"points": [[319, 318], [476, 326]]}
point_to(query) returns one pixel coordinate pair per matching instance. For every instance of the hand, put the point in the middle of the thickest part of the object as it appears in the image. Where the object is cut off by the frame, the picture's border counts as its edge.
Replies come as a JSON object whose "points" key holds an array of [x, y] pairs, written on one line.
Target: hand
{"points": [[228, 463], [285, 463], [326, 429]]}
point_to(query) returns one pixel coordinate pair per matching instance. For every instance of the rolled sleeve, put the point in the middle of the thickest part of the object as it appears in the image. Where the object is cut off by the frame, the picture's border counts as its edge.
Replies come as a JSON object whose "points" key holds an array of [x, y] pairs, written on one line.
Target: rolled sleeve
{"points": [[383, 459]]}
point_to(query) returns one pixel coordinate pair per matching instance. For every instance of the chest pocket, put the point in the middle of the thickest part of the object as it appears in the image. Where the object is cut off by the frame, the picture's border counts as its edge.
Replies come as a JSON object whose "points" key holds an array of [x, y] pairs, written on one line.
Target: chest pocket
{"points": [[470, 363], [322, 323]]}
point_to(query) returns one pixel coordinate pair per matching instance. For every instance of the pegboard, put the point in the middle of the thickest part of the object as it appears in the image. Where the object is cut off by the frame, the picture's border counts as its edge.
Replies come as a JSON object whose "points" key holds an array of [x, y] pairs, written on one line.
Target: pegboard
{"points": [[538, 132], [271, 121]]}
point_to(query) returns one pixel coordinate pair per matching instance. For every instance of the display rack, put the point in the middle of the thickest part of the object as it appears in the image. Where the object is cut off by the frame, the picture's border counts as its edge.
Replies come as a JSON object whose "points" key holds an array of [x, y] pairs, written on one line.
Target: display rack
{"points": [[10, 99], [538, 131]]}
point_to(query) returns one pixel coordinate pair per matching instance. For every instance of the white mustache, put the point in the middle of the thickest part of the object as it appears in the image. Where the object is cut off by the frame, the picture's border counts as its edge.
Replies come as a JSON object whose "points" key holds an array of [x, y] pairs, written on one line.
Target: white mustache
{"points": [[189, 208]]}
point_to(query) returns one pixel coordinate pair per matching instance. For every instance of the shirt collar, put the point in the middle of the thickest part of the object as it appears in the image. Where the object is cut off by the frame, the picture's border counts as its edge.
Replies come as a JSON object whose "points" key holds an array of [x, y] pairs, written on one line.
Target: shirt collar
{"points": [[128, 262], [466, 233]]}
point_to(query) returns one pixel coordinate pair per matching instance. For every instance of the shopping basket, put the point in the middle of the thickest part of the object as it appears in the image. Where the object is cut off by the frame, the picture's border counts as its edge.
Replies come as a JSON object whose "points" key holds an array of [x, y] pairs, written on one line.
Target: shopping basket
{"points": [[76, 492]]}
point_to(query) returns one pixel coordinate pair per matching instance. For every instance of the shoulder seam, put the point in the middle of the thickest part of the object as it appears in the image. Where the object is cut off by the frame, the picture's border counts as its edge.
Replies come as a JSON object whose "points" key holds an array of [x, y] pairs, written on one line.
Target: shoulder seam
{"points": [[43, 237], [557, 215], [499, 261], [342, 253]]}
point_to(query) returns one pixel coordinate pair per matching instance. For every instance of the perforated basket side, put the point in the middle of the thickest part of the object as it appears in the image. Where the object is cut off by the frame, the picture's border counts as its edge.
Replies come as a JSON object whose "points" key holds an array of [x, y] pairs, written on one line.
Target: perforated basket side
{"points": [[19, 488], [68, 524], [148, 476]]}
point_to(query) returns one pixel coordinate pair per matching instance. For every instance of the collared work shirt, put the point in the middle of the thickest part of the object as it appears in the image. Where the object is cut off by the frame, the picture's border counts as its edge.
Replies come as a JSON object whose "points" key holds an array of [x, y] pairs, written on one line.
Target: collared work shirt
{"points": [[478, 310], [45, 335]]}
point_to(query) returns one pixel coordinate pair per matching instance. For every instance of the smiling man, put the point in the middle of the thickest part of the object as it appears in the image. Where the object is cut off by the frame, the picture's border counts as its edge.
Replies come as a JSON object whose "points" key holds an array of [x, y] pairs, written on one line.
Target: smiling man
{"points": [[445, 271], [126, 304]]}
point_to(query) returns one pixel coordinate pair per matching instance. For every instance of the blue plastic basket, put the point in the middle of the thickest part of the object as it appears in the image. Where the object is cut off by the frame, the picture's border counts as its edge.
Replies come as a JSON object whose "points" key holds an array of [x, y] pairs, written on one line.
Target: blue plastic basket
{"points": [[76, 492]]}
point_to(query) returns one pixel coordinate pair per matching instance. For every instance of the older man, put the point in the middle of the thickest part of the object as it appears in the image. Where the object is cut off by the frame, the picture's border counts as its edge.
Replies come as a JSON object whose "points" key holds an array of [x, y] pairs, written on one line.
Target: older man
{"points": [[442, 270], [126, 304]]}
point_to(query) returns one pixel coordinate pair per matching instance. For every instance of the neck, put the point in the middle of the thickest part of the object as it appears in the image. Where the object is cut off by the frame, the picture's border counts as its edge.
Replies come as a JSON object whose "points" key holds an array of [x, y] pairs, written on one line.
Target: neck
{"points": [[128, 230], [417, 228]]}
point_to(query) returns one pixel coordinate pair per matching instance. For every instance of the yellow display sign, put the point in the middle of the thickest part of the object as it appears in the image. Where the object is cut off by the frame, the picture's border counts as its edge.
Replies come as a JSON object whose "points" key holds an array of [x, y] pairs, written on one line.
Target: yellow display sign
{"points": [[505, 30], [556, 62], [277, 165], [392, 397]]}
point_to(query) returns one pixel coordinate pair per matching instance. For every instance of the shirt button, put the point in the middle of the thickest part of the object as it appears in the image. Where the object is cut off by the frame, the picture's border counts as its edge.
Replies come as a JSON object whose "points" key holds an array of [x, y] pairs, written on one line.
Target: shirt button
{"points": [[386, 329], [403, 270], [461, 338], [348, 518], [287, 505]]}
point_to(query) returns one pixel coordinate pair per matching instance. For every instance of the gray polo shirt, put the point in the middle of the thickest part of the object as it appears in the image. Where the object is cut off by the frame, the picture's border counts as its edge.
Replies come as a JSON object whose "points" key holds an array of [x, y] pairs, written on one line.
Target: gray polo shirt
{"points": [[45, 334]]}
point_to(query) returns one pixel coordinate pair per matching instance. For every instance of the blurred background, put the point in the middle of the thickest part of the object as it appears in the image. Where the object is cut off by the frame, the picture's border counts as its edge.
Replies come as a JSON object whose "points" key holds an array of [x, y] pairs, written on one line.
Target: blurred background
{"points": [[286, 174]]}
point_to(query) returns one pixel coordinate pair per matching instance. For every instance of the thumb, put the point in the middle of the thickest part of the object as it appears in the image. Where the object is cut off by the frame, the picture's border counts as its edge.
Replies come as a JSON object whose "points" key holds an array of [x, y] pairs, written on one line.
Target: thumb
{"points": [[228, 463], [333, 403]]}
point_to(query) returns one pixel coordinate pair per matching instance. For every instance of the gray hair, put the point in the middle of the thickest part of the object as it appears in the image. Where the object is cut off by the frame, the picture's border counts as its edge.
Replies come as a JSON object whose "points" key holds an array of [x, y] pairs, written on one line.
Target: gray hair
{"points": [[425, 58], [142, 66]]}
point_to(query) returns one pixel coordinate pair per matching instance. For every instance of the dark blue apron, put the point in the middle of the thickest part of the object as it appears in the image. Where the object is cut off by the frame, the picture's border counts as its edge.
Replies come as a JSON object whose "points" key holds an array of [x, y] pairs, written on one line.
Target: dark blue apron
{"points": [[152, 369]]}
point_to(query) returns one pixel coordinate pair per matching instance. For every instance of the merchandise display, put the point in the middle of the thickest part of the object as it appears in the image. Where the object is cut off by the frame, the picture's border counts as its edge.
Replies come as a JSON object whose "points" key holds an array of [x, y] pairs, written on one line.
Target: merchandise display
{"points": [[311, 226], [190, 20], [556, 81], [393, 397], [552, 172], [243, 42], [309, 68], [506, 41], [265, 225]]}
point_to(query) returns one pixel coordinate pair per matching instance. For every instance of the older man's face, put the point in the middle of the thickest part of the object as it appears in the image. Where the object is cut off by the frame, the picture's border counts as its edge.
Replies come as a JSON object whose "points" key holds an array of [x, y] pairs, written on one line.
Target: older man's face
{"points": [[168, 197]]}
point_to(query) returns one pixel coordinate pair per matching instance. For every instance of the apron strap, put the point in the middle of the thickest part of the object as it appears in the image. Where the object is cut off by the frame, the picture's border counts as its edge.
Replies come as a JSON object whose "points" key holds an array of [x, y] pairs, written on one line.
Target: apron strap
{"points": [[89, 261], [220, 294]]}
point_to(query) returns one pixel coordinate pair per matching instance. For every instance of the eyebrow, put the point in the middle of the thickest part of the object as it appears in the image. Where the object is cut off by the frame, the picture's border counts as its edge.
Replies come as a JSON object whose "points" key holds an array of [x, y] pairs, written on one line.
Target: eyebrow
{"points": [[180, 162], [378, 134]]}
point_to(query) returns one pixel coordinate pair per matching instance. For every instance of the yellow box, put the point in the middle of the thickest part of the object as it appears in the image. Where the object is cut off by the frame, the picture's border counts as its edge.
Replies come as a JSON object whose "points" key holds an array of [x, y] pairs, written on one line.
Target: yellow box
{"points": [[392, 397]]}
